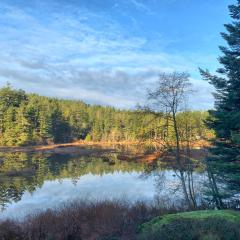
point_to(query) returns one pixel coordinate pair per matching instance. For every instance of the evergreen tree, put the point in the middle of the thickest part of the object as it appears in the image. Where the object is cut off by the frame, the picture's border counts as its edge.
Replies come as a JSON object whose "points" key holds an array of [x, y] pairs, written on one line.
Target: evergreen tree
{"points": [[23, 130], [225, 118], [9, 132], [9, 98], [45, 128], [60, 128], [31, 119]]}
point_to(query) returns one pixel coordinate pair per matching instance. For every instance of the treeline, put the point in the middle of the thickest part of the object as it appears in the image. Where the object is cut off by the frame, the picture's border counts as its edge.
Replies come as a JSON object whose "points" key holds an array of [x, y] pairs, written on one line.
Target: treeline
{"points": [[29, 119]]}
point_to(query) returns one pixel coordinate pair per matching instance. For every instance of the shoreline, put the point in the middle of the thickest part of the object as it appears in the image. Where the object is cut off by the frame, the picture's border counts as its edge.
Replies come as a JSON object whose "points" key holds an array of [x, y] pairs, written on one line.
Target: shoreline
{"points": [[36, 148], [61, 146]]}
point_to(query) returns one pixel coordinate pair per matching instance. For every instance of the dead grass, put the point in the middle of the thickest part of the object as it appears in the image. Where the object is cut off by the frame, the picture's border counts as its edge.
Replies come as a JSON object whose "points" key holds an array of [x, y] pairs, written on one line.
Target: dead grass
{"points": [[65, 147], [82, 220]]}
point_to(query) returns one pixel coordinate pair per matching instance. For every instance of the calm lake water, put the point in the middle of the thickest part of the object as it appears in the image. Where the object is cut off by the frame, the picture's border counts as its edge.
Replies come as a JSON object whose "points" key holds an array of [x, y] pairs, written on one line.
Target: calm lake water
{"points": [[33, 182]]}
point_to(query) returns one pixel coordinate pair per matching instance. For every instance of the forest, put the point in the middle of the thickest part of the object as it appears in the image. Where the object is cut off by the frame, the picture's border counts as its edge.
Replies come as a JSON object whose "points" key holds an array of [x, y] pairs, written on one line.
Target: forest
{"points": [[30, 119]]}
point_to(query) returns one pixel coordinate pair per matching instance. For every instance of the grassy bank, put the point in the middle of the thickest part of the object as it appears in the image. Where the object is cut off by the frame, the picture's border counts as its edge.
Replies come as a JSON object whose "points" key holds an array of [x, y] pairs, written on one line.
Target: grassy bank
{"points": [[208, 225], [117, 220]]}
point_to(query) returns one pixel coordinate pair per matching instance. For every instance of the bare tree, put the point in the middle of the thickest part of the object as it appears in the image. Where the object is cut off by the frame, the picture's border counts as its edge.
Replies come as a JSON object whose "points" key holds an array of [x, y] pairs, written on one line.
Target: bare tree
{"points": [[170, 96]]}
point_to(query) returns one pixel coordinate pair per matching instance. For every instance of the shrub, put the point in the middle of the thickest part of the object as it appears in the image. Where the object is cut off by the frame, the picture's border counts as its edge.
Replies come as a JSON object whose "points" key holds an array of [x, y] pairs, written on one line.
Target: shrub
{"points": [[211, 228], [106, 220]]}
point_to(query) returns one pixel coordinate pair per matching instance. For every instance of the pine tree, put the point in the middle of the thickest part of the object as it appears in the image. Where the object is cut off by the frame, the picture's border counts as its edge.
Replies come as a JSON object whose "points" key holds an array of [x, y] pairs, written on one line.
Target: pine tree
{"points": [[9, 99], [9, 129], [23, 127], [45, 128], [60, 128], [225, 118]]}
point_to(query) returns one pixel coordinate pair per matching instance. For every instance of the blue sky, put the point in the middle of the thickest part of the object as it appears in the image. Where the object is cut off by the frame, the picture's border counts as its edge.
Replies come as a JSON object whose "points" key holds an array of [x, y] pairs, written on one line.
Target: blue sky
{"points": [[108, 51]]}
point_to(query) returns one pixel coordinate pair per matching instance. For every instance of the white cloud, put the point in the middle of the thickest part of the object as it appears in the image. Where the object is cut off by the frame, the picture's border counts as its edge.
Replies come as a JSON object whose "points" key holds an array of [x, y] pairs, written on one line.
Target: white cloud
{"points": [[140, 5], [80, 54]]}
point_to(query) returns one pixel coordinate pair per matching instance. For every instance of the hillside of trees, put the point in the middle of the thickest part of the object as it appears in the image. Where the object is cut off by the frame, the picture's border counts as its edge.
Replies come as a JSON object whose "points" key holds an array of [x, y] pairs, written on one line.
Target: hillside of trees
{"points": [[30, 119]]}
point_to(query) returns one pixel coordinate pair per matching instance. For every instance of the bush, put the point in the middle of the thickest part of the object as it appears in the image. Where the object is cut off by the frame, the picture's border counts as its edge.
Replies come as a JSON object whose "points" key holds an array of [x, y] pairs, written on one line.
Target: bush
{"points": [[119, 220], [88, 138], [107, 220], [211, 228]]}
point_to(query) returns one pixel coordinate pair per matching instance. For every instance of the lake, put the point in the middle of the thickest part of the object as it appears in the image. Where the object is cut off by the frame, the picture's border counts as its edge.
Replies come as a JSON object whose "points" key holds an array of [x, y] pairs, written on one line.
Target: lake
{"points": [[34, 181]]}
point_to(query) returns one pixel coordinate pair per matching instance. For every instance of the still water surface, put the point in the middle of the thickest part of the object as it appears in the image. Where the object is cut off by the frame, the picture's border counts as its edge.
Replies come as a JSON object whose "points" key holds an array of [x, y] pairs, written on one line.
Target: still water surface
{"points": [[33, 182]]}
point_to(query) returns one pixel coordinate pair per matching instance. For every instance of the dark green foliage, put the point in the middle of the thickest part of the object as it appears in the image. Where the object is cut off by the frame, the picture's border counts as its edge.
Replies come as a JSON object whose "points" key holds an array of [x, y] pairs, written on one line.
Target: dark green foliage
{"points": [[203, 224], [225, 118], [191, 229]]}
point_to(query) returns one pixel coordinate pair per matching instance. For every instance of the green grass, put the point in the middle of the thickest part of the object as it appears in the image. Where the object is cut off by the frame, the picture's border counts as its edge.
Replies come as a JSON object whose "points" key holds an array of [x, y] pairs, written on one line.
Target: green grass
{"points": [[158, 222]]}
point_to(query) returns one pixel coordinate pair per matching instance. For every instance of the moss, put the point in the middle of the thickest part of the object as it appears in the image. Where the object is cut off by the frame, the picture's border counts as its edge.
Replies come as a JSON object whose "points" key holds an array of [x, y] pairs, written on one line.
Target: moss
{"points": [[158, 222]]}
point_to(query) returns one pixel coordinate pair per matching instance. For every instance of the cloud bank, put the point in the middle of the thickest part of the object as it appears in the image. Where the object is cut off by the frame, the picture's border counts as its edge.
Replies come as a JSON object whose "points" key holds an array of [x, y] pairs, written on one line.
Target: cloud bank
{"points": [[74, 52]]}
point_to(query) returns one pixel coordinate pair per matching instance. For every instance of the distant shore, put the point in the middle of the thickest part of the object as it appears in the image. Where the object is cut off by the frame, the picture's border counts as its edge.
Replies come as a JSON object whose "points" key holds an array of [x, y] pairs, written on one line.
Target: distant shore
{"points": [[61, 145], [197, 145]]}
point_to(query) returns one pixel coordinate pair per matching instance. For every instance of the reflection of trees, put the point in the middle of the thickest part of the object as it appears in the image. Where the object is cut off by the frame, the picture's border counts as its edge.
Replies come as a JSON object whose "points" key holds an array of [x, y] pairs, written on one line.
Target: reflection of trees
{"points": [[20, 172], [184, 182], [217, 199], [17, 175], [211, 189], [8, 194], [223, 192]]}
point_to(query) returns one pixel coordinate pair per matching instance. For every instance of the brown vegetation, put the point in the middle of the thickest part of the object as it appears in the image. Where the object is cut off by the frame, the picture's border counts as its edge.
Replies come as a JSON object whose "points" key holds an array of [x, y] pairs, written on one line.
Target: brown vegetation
{"points": [[81, 220], [66, 147], [62, 147]]}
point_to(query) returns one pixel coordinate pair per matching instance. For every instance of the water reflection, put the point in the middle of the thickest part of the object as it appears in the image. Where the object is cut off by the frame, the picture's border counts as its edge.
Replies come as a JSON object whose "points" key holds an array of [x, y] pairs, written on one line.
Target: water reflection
{"points": [[36, 181], [26, 172]]}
